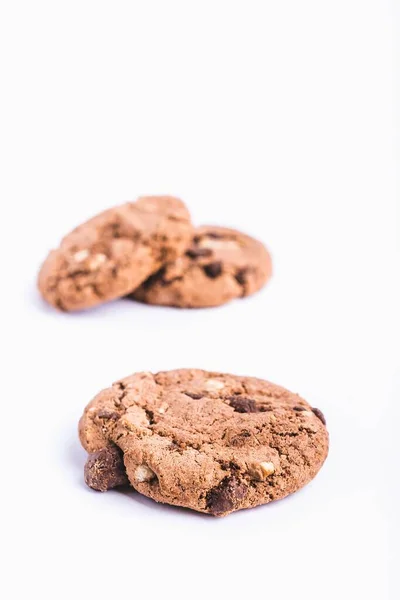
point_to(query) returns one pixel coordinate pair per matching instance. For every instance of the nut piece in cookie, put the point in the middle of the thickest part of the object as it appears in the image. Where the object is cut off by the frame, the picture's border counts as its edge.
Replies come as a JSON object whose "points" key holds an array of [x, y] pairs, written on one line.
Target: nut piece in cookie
{"points": [[105, 469], [114, 252], [219, 265], [262, 470], [143, 473]]}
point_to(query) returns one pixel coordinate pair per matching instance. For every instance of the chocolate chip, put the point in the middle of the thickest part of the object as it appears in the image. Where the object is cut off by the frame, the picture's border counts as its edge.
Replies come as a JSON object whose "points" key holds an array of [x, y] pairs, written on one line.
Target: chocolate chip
{"points": [[247, 405], [240, 439], [319, 414], [243, 405], [160, 278], [156, 277], [299, 408], [213, 270], [150, 416], [105, 469], [198, 252], [112, 229], [215, 236], [194, 396], [241, 275], [108, 414], [233, 466], [175, 447], [212, 235], [226, 496]]}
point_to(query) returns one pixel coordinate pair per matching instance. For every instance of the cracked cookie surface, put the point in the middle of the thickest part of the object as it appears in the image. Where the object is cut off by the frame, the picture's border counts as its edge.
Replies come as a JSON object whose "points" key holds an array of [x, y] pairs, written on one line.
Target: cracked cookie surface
{"points": [[208, 441], [219, 265], [114, 252]]}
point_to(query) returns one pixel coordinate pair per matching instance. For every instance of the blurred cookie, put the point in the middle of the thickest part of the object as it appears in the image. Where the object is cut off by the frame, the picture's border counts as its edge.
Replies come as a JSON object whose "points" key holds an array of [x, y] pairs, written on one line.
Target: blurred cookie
{"points": [[219, 265], [211, 442], [114, 252]]}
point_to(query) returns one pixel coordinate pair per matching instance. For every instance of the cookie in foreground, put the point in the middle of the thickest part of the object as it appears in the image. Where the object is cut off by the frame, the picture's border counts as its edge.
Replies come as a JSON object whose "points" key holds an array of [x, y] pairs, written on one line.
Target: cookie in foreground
{"points": [[212, 442], [114, 252], [219, 265]]}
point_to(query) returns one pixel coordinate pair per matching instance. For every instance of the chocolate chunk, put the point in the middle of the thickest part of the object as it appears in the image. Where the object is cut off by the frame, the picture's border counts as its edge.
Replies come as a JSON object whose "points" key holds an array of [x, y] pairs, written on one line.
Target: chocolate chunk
{"points": [[194, 396], [240, 439], [157, 276], [319, 414], [215, 236], [241, 275], [213, 270], [226, 496], [150, 416], [108, 414], [243, 405], [198, 252], [299, 408], [105, 469]]}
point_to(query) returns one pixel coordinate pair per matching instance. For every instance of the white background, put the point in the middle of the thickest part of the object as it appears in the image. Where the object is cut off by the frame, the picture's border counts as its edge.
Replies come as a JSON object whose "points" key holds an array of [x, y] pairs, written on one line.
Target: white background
{"points": [[273, 117]]}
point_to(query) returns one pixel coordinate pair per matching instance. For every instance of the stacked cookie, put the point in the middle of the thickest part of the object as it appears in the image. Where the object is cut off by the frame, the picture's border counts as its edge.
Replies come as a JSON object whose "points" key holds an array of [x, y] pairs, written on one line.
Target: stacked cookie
{"points": [[149, 251], [212, 442]]}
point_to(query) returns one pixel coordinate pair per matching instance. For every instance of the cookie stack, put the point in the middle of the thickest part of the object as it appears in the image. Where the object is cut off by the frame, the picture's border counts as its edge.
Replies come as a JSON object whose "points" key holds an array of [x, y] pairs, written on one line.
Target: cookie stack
{"points": [[212, 442], [149, 251]]}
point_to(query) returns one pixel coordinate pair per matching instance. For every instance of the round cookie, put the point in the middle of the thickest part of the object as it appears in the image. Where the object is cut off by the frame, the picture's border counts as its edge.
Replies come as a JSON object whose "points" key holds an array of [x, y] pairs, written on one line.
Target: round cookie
{"points": [[211, 442], [219, 265], [111, 254]]}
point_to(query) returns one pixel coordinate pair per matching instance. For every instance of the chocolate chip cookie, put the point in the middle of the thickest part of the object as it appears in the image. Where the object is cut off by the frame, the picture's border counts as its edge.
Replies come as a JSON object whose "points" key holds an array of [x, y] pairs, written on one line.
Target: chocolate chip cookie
{"points": [[211, 442], [114, 252], [219, 265]]}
